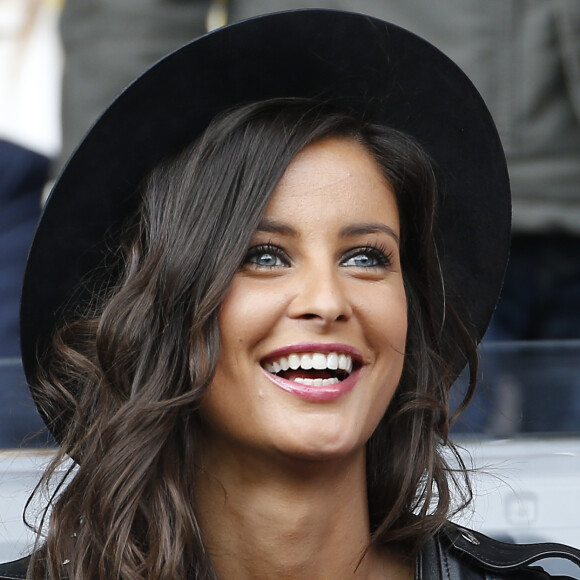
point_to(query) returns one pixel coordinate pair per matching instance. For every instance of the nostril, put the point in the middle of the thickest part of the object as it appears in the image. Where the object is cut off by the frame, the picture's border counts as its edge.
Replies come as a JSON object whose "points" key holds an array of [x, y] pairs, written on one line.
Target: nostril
{"points": [[310, 316]]}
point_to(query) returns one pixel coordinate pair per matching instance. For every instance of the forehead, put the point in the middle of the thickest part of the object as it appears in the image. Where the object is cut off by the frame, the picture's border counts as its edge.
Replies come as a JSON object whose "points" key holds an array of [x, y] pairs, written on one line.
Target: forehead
{"points": [[335, 177]]}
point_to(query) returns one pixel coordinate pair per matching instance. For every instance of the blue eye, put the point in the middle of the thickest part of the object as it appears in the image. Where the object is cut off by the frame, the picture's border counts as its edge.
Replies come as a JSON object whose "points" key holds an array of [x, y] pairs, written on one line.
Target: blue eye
{"points": [[367, 257], [362, 261], [266, 256], [266, 259]]}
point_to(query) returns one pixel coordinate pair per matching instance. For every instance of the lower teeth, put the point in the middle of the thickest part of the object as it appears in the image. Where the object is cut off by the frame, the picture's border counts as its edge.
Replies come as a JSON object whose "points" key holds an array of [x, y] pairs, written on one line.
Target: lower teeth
{"points": [[316, 382]]}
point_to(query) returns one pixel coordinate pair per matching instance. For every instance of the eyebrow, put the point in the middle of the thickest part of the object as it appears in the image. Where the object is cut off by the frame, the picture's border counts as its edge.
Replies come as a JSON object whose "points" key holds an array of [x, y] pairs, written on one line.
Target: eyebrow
{"points": [[368, 228], [274, 227]]}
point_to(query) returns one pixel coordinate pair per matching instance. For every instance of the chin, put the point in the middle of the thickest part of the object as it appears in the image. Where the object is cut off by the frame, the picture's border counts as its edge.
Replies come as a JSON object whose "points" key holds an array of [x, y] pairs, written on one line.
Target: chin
{"points": [[318, 444]]}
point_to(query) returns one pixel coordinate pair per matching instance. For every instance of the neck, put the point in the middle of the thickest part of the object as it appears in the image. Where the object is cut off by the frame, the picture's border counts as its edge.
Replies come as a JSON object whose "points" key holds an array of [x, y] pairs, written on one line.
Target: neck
{"points": [[290, 519]]}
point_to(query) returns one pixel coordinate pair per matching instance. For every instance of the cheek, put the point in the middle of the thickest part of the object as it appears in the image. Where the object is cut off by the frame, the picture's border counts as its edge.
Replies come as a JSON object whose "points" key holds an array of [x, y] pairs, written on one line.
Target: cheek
{"points": [[386, 333], [237, 318], [235, 310], [397, 335], [247, 315], [390, 335], [386, 321]]}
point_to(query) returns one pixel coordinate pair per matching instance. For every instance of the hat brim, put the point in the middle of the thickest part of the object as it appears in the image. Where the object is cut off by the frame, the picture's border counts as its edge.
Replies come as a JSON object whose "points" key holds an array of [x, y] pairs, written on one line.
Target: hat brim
{"points": [[384, 73]]}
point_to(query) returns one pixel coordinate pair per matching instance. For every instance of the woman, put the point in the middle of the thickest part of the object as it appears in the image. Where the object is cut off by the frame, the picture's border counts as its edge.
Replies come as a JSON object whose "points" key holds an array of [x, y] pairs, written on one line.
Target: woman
{"points": [[278, 262]]}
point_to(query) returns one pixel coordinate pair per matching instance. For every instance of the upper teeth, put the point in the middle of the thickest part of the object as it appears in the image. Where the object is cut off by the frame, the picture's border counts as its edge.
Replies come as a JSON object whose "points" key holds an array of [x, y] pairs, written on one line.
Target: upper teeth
{"points": [[312, 360]]}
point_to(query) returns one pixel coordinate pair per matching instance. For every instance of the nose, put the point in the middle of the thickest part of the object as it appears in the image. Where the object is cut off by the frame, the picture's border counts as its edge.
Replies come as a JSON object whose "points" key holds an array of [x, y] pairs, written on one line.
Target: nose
{"points": [[320, 296]]}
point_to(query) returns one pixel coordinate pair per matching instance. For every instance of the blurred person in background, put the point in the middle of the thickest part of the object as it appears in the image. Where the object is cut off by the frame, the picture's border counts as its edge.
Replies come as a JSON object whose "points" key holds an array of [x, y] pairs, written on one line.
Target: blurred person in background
{"points": [[30, 138], [108, 43]]}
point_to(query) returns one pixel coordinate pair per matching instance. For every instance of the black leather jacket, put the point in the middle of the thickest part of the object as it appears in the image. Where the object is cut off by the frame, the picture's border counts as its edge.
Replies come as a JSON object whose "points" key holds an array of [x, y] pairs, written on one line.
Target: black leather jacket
{"points": [[456, 553]]}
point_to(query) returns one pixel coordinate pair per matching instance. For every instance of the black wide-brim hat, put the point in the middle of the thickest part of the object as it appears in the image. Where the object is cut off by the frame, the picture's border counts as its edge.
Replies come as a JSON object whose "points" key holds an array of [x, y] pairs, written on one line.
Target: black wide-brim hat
{"points": [[377, 70]]}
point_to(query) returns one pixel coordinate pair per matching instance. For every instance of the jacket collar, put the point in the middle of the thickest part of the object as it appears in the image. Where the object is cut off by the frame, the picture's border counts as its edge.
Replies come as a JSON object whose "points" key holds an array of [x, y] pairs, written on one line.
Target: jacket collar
{"points": [[456, 553]]}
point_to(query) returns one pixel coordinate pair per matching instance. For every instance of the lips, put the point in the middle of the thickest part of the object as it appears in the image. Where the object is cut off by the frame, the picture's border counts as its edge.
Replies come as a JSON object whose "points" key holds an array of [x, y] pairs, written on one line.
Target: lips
{"points": [[314, 371]]}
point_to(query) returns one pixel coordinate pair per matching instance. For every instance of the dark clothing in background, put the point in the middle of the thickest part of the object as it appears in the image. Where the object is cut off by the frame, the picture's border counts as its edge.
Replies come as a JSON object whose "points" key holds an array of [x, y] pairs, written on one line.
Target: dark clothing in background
{"points": [[23, 174]]}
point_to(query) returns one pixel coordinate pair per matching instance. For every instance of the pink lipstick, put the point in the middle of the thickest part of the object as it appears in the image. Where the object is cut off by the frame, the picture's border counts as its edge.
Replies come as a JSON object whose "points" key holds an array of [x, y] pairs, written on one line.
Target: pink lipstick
{"points": [[311, 393]]}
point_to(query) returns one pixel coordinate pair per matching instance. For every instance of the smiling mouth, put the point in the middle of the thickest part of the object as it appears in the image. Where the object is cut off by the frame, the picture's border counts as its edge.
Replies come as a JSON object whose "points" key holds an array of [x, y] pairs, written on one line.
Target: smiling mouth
{"points": [[313, 368]]}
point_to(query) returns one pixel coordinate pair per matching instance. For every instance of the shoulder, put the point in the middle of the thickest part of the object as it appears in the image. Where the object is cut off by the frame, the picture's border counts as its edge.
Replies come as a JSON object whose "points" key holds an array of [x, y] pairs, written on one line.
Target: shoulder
{"points": [[15, 570], [457, 553]]}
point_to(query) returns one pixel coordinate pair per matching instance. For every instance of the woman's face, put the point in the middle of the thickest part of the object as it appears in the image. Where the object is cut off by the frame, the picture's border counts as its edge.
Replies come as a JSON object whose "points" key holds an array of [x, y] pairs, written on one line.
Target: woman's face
{"points": [[313, 328]]}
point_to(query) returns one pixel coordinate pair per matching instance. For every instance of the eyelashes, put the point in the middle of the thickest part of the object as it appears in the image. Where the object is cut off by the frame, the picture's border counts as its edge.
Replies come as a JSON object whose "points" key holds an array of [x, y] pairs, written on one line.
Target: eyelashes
{"points": [[369, 256], [269, 256]]}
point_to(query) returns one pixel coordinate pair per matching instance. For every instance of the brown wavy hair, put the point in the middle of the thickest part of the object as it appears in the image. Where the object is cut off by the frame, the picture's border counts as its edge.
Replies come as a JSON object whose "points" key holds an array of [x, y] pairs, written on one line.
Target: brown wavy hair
{"points": [[123, 381]]}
